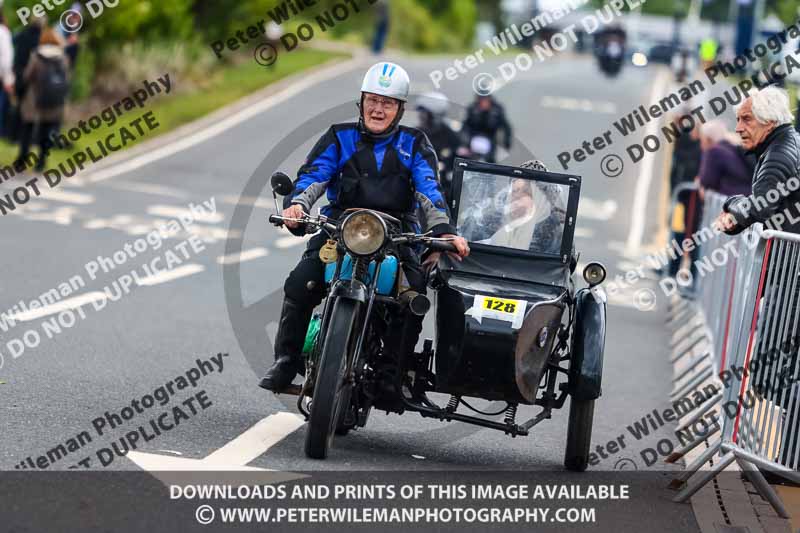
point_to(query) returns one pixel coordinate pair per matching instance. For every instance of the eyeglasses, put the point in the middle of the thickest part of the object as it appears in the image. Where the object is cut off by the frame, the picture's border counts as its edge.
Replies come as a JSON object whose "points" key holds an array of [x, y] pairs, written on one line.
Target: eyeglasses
{"points": [[385, 103]]}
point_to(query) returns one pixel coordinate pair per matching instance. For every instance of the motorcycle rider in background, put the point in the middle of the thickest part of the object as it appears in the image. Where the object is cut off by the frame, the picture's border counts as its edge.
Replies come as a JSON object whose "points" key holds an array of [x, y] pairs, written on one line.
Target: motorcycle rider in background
{"points": [[373, 164], [432, 108], [485, 119]]}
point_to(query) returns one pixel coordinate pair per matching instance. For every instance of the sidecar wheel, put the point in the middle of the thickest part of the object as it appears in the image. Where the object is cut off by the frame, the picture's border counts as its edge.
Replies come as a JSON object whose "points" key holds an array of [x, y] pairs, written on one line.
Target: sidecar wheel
{"points": [[326, 405], [579, 434]]}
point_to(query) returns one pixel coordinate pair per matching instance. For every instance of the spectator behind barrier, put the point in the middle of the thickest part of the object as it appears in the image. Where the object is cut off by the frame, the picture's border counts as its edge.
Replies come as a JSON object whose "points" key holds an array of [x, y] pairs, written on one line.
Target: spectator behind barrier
{"points": [[724, 166], [764, 123]]}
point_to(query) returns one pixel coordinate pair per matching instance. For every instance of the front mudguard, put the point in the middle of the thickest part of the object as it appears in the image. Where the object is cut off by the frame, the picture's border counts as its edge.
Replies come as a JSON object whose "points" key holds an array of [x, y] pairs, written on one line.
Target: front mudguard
{"points": [[350, 289], [588, 344]]}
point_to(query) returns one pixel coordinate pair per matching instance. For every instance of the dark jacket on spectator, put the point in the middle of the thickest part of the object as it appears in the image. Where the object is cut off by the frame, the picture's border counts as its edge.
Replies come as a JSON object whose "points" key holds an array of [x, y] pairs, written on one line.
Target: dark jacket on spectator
{"points": [[778, 162], [30, 109], [723, 170]]}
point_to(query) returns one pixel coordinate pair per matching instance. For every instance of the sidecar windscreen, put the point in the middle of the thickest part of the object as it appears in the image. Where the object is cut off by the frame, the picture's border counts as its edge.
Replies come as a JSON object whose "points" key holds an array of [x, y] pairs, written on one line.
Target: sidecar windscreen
{"points": [[515, 211]]}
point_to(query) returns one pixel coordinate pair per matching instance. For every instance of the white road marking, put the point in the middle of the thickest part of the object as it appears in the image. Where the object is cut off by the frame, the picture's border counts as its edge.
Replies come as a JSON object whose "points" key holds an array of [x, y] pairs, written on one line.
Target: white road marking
{"points": [[62, 215], [58, 307], [246, 255], [59, 195], [642, 191], [597, 210], [229, 122], [291, 241], [256, 201], [579, 104], [170, 275], [234, 456], [148, 188], [257, 440], [584, 233], [177, 212]]}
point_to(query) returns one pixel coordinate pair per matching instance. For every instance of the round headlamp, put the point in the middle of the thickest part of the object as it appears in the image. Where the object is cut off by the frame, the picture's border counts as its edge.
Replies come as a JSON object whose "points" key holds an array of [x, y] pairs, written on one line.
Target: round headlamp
{"points": [[363, 233], [594, 274]]}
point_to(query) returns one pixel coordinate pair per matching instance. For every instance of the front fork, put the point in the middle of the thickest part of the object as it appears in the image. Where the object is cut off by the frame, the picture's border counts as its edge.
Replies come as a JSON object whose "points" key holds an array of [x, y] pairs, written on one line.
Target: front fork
{"points": [[354, 289]]}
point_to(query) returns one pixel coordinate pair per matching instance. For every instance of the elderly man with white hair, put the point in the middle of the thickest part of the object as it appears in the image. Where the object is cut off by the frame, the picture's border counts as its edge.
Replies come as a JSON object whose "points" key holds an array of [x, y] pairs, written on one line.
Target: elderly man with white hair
{"points": [[764, 123]]}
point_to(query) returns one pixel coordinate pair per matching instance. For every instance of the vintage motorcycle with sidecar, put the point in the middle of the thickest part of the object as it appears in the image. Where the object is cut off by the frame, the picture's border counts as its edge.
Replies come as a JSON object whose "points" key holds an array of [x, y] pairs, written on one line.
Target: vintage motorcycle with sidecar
{"points": [[511, 327]]}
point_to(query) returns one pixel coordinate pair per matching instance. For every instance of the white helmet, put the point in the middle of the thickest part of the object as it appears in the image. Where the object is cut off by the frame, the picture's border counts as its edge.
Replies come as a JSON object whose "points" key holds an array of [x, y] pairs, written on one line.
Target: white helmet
{"points": [[433, 102], [387, 79]]}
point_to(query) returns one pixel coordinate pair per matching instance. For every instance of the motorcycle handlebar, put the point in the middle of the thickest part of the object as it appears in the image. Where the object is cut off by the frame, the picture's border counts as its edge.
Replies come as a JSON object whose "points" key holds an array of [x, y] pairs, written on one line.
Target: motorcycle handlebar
{"points": [[438, 246], [276, 219]]}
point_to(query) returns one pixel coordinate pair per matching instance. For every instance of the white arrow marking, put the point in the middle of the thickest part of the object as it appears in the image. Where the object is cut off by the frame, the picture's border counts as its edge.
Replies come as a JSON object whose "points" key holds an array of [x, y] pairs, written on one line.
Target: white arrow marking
{"points": [[234, 456]]}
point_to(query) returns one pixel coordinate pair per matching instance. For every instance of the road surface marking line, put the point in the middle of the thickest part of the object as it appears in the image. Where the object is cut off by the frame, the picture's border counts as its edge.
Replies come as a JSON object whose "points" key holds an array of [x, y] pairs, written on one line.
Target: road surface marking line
{"points": [[638, 218], [257, 440], [215, 129], [148, 188], [58, 307], [291, 241], [67, 197], [250, 200], [245, 255], [179, 212], [156, 462], [170, 275]]}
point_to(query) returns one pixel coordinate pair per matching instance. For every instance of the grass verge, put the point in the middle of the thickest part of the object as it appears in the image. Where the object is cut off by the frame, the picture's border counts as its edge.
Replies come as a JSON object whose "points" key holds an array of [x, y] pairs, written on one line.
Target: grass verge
{"points": [[178, 108]]}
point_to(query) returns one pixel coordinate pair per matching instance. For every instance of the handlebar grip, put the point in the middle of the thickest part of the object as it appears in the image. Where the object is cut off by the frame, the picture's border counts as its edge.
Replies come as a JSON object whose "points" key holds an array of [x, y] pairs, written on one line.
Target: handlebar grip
{"points": [[443, 247], [275, 219]]}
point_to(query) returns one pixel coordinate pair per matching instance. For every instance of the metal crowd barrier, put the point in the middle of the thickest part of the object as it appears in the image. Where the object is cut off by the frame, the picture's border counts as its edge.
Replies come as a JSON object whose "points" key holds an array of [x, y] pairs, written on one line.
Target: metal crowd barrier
{"points": [[748, 313]]}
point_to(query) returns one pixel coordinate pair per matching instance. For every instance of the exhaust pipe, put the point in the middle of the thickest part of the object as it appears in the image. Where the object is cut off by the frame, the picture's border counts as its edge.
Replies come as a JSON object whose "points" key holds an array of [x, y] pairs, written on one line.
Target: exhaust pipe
{"points": [[417, 303]]}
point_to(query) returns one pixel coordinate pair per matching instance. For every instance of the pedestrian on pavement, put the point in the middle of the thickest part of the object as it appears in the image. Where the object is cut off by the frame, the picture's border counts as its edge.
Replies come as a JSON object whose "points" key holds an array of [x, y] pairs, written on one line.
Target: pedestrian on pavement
{"points": [[47, 80], [382, 17], [25, 43], [725, 167], [6, 74], [764, 123]]}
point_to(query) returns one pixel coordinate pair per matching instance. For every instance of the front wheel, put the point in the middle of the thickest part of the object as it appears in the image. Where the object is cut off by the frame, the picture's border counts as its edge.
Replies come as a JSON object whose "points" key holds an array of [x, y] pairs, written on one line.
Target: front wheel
{"points": [[326, 403], [579, 434]]}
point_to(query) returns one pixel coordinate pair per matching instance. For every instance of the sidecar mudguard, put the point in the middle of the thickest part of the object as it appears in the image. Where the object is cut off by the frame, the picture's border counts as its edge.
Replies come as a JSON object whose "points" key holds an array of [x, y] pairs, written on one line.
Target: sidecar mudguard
{"points": [[586, 366]]}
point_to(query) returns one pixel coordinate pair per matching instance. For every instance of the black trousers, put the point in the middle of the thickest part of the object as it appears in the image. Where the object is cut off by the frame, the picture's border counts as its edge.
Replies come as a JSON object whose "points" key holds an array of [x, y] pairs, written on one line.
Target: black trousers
{"points": [[304, 289], [44, 129]]}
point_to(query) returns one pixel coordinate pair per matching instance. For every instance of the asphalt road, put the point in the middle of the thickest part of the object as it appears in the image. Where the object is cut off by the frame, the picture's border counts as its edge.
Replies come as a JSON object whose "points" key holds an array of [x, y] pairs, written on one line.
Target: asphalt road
{"points": [[54, 391]]}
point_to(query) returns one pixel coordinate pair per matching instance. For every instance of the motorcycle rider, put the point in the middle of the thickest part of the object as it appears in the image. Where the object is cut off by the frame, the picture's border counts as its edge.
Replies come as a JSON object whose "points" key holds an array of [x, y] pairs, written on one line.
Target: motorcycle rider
{"points": [[375, 164], [485, 118], [432, 108]]}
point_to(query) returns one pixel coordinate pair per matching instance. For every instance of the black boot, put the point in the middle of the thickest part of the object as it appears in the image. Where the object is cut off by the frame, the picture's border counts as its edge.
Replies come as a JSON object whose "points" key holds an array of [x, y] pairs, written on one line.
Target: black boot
{"points": [[288, 346]]}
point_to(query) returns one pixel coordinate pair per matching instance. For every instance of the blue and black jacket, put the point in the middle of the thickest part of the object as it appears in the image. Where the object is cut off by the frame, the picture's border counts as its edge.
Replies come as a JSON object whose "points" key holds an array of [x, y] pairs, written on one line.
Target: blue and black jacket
{"points": [[396, 175]]}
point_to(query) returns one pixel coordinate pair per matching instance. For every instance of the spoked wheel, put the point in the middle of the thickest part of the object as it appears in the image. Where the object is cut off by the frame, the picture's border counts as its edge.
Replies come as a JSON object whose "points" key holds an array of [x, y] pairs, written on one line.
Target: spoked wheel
{"points": [[327, 403], [579, 434]]}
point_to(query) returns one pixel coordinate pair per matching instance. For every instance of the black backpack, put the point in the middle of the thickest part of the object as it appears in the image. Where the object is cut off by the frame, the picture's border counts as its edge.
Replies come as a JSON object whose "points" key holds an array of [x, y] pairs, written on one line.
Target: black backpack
{"points": [[53, 87]]}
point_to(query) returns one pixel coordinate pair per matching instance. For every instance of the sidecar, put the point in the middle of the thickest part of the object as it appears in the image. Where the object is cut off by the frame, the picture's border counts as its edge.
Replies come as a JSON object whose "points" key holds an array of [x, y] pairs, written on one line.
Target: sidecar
{"points": [[510, 325]]}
